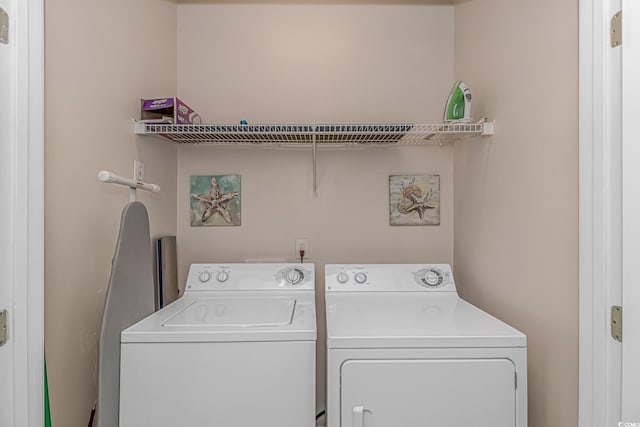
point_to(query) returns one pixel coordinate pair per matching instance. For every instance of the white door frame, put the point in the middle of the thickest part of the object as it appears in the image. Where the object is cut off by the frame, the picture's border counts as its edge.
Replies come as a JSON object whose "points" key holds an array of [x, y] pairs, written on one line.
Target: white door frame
{"points": [[600, 215], [630, 213], [27, 317], [598, 218]]}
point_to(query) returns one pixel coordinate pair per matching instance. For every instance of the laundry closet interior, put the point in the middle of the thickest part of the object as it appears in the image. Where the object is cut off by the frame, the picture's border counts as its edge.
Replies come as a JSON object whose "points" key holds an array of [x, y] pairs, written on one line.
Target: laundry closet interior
{"points": [[508, 201]]}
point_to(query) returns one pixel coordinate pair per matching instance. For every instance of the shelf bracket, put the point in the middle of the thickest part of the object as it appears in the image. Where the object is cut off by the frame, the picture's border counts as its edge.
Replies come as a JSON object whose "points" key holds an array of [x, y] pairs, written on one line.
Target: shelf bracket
{"points": [[314, 148], [488, 128]]}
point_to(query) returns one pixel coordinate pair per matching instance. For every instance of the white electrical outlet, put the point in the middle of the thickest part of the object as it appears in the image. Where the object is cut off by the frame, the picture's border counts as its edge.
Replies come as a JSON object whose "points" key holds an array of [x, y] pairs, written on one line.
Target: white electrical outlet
{"points": [[302, 244], [138, 170]]}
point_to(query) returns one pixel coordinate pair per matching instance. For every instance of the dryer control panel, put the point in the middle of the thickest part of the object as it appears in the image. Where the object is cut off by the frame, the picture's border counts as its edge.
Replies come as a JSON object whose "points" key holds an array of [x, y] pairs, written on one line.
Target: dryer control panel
{"points": [[250, 277], [389, 277]]}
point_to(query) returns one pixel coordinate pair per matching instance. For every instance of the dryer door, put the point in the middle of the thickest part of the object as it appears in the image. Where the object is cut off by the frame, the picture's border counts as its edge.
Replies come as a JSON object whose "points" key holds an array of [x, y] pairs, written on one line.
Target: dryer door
{"points": [[433, 392]]}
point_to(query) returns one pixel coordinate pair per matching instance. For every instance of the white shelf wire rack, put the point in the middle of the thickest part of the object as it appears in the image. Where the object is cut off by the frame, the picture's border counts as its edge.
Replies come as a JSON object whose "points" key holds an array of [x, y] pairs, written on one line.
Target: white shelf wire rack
{"points": [[317, 134]]}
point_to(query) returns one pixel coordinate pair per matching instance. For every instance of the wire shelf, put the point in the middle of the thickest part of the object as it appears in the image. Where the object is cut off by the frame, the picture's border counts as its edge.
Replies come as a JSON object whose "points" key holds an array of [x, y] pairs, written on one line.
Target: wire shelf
{"points": [[325, 135]]}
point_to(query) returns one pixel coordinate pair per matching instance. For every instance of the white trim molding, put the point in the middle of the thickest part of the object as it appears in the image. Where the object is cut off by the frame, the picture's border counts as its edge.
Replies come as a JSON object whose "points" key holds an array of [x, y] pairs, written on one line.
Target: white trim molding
{"points": [[587, 247], [29, 229], [600, 215], [630, 398]]}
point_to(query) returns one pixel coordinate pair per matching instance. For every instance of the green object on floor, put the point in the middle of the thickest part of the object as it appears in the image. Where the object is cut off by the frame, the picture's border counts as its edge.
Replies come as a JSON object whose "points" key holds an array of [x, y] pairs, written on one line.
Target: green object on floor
{"points": [[47, 411]]}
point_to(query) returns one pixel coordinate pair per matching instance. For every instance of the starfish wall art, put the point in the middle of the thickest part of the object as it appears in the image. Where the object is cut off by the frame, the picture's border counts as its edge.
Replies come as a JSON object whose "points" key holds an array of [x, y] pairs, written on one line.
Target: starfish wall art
{"points": [[215, 200], [414, 199]]}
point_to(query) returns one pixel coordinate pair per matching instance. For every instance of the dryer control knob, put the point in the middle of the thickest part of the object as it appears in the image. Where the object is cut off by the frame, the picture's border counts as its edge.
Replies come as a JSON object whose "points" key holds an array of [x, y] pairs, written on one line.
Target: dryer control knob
{"points": [[431, 277], [360, 278], [222, 276], [294, 276], [342, 277], [204, 276]]}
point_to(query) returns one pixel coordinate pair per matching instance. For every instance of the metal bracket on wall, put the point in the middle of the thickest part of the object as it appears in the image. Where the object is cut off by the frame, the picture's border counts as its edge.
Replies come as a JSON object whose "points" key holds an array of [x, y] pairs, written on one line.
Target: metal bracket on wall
{"points": [[3, 327], [314, 153], [616, 30], [4, 26], [616, 323]]}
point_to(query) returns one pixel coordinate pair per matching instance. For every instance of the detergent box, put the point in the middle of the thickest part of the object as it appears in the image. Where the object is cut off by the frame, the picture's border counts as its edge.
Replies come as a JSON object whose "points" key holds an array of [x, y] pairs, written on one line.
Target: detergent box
{"points": [[171, 110]]}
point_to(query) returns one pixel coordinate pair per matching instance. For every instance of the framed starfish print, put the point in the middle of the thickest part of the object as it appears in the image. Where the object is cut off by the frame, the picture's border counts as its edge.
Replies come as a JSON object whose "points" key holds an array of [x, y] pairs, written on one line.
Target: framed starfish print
{"points": [[414, 199], [215, 200]]}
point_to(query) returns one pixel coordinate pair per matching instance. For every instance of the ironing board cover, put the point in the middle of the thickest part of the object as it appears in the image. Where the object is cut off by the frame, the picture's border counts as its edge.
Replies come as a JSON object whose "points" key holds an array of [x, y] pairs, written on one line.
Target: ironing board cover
{"points": [[130, 298]]}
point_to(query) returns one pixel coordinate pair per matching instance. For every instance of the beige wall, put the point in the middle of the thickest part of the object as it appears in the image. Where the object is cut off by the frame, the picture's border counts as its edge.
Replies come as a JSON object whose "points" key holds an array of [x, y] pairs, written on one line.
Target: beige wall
{"points": [[315, 63], [101, 57], [516, 195]]}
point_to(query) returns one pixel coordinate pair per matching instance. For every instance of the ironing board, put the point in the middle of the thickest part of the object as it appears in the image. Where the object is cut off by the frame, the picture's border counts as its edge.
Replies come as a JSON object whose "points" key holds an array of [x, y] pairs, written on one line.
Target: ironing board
{"points": [[130, 298]]}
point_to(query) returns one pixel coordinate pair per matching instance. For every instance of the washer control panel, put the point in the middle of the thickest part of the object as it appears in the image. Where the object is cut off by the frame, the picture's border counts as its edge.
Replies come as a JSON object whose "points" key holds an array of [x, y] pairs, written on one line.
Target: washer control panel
{"points": [[389, 277], [250, 277]]}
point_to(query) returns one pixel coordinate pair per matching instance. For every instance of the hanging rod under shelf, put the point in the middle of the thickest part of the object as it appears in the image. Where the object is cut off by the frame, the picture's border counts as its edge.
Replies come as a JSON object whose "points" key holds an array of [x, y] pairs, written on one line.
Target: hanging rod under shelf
{"points": [[325, 135]]}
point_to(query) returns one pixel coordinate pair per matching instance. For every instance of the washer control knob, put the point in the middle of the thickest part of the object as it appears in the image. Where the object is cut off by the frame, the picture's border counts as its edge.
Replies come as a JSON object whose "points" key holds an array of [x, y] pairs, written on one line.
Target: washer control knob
{"points": [[222, 276], [342, 277], [204, 276], [360, 278], [294, 276]]}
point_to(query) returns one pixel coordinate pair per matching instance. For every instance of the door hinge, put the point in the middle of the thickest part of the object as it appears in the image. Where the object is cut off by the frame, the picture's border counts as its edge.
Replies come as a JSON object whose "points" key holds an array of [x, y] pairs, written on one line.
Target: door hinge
{"points": [[616, 323], [4, 26], [3, 327], [616, 29]]}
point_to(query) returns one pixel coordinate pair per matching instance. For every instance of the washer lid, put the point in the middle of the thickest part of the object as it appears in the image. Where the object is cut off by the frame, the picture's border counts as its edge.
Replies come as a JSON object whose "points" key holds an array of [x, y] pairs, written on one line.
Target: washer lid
{"points": [[230, 317], [235, 312], [413, 320]]}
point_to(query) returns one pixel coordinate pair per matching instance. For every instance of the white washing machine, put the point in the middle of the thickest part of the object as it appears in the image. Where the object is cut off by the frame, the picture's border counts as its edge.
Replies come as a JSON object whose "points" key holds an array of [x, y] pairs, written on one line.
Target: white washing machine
{"points": [[237, 350], [403, 349]]}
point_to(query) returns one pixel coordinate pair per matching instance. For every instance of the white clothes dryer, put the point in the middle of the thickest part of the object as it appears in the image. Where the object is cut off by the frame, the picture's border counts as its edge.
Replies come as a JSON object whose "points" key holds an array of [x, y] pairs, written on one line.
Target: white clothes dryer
{"points": [[404, 350], [237, 350]]}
